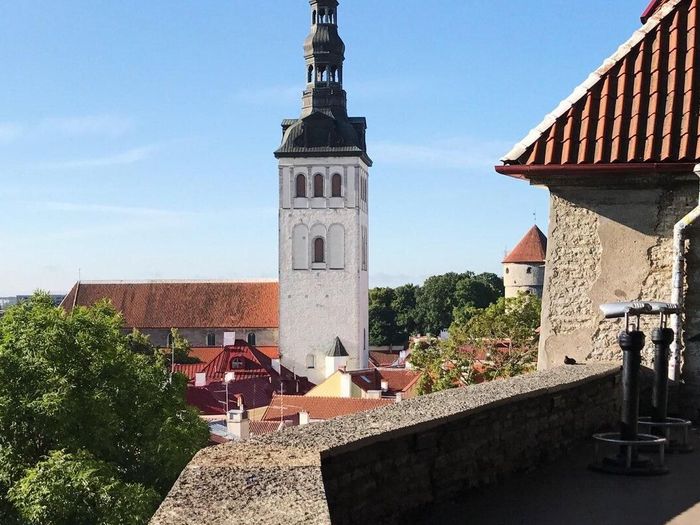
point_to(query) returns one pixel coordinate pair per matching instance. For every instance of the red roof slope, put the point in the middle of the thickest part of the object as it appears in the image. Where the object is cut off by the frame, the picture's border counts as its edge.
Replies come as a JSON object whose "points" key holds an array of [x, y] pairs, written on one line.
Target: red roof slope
{"points": [[319, 407], [187, 304], [640, 106], [399, 379], [531, 249]]}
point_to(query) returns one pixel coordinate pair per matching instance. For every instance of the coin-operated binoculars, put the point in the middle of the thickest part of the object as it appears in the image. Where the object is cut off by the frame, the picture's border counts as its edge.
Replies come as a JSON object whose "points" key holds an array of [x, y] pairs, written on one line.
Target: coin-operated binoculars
{"points": [[628, 440]]}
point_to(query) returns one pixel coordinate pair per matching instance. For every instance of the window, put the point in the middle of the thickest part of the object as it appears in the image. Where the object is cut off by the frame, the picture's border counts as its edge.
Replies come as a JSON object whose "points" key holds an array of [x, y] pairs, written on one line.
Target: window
{"points": [[237, 363], [170, 339], [251, 338], [318, 185], [337, 185], [310, 361], [507, 270], [310, 76], [301, 185], [319, 250], [529, 269], [313, 18], [211, 339]]}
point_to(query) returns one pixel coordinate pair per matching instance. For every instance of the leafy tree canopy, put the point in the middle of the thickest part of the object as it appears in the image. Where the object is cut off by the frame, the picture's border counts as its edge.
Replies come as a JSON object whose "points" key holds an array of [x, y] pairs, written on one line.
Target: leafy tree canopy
{"points": [[86, 423]]}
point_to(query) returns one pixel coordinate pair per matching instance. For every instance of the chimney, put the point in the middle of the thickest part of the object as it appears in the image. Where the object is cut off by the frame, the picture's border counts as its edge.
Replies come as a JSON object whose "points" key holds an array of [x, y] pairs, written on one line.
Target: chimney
{"points": [[238, 424], [385, 385], [399, 397], [345, 384], [303, 418], [200, 379]]}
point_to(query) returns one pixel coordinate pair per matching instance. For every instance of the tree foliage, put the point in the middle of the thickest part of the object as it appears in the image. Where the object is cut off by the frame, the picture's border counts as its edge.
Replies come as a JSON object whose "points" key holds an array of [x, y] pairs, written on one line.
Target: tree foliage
{"points": [[80, 408], [395, 314], [484, 344]]}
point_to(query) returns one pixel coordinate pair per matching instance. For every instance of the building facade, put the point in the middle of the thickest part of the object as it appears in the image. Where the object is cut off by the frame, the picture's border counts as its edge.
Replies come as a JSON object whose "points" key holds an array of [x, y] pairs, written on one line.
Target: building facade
{"points": [[618, 158], [323, 213]]}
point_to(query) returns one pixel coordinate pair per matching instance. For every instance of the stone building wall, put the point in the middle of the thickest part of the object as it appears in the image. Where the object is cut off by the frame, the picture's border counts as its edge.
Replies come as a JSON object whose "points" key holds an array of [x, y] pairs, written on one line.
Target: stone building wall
{"points": [[198, 336], [614, 243], [383, 465]]}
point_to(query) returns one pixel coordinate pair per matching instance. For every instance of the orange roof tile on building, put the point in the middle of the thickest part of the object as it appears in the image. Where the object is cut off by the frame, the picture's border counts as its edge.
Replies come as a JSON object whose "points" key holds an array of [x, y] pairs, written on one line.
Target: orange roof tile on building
{"points": [[319, 408], [636, 113], [191, 304], [398, 379], [532, 248]]}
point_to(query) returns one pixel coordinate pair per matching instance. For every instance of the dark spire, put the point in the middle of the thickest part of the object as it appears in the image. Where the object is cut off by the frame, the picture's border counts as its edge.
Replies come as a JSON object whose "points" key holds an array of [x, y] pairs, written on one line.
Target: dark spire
{"points": [[338, 350], [324, 127], [324, 52]]}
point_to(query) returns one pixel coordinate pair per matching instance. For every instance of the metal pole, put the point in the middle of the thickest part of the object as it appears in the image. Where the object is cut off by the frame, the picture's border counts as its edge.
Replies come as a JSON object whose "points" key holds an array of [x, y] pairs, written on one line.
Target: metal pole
{"points": [[662, 339], [631, 343], [226, 398], [172, 358]]}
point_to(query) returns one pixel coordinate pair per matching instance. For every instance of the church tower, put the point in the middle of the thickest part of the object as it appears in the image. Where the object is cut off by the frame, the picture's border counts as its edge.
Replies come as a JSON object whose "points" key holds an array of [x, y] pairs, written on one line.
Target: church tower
{"points": [[323, 214]]}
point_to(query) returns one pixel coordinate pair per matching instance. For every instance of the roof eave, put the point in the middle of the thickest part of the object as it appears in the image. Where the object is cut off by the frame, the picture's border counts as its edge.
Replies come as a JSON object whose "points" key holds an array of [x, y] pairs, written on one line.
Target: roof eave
{"points": [[526, 172]]}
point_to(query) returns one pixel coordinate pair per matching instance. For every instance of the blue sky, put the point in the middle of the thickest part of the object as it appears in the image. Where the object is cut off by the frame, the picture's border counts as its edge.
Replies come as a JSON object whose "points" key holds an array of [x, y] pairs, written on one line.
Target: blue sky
{"points": [[136, 137]]}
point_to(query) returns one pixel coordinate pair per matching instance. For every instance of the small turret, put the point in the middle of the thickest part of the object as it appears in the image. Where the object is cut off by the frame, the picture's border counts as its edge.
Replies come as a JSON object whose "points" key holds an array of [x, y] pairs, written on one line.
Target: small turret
{"points": [[524, 266]]}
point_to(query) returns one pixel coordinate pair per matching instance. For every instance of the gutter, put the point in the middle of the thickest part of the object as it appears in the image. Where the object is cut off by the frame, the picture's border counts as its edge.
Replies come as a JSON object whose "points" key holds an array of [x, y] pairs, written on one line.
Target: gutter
{"points": [[524, 172], [680, 234]]}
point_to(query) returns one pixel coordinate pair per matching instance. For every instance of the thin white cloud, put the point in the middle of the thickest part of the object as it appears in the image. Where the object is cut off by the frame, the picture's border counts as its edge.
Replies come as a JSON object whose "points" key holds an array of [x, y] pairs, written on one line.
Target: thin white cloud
{"points": [[130, 211], [455, 153], [89, 125], [131, 156], [106, 125]]}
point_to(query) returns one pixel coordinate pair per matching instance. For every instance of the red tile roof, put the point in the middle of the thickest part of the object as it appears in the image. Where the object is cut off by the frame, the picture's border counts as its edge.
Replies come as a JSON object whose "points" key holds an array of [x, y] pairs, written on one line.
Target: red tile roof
{"points": [[319, 408], [258, 428], [186, 304], [532, 248], [639, 107], [384, 358], [273, 352], [400, 380]]}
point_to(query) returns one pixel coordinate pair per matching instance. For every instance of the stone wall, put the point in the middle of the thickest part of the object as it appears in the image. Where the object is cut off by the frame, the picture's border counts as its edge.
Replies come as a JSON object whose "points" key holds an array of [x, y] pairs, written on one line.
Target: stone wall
{"points": [[197, 337], [613, 242], [382, 465]]}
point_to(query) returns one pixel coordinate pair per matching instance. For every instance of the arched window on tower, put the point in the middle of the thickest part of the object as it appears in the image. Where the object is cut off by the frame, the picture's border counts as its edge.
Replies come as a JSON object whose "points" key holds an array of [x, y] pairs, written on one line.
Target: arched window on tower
{"points": [[337, 185], [319, 250], [310, 76], [301, 185], [211, 339], [310, 361], [318, 185], [251, 338], [334, 70], [331, 17], [313, 18]]}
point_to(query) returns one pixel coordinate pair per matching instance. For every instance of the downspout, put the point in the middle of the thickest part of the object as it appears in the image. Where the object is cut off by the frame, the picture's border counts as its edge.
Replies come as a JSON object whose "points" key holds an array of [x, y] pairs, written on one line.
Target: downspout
{"points": [[680, 234]]}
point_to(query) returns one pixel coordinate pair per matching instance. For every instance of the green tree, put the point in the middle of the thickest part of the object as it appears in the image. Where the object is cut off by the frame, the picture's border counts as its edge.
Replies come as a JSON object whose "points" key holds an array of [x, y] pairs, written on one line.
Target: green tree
{"points": [[404, 306], [73, 392], [443, 366], [139, 343], [382, 319], [436, 301], [182, 348], [76, 489]]}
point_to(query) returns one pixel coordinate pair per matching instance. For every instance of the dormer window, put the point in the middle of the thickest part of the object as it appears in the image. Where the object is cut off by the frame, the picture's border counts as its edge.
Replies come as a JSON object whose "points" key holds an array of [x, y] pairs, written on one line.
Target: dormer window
{"points": [[237, 363]]}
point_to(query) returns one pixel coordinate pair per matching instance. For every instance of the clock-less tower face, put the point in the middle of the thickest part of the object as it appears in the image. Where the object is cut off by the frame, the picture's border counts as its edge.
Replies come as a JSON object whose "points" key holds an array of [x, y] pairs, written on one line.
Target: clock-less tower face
{"points": [[323, 216]]}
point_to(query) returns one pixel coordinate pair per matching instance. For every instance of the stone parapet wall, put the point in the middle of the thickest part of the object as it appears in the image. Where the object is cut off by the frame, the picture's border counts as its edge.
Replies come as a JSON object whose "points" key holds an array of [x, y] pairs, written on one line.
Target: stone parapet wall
{"points": [[379, 466]]}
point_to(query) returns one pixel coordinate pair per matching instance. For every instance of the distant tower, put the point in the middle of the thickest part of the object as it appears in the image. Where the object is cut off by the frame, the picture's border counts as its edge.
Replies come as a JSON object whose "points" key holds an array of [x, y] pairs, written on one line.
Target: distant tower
{"points": [[323, 214], [523, 268]]}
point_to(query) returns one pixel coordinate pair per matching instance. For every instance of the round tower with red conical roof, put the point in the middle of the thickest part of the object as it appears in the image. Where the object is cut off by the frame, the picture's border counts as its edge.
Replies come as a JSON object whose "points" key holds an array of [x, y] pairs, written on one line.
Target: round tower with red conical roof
{"points": [[523, 267]]}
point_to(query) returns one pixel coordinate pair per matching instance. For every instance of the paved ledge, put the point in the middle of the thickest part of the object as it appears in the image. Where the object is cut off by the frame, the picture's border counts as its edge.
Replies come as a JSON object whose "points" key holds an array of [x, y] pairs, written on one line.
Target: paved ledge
{"points": [[317, 473]]}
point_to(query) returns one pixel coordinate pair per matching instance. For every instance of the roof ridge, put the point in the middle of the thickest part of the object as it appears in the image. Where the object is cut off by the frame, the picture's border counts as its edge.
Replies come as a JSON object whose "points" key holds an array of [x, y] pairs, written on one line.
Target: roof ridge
{"points": [[582, 89]]}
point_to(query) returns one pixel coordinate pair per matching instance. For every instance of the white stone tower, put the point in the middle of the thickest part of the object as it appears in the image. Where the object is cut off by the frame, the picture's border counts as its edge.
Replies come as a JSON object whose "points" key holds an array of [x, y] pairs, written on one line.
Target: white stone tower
{"points": [[523, 268], [323, 214]]}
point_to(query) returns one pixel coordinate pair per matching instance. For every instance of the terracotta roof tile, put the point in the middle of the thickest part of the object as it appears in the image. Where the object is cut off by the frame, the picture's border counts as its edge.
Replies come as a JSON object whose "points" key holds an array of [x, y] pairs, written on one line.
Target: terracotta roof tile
{"points": [[400, 380], [640, 106], [187, 304], [319, 408], [531, 249]]}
